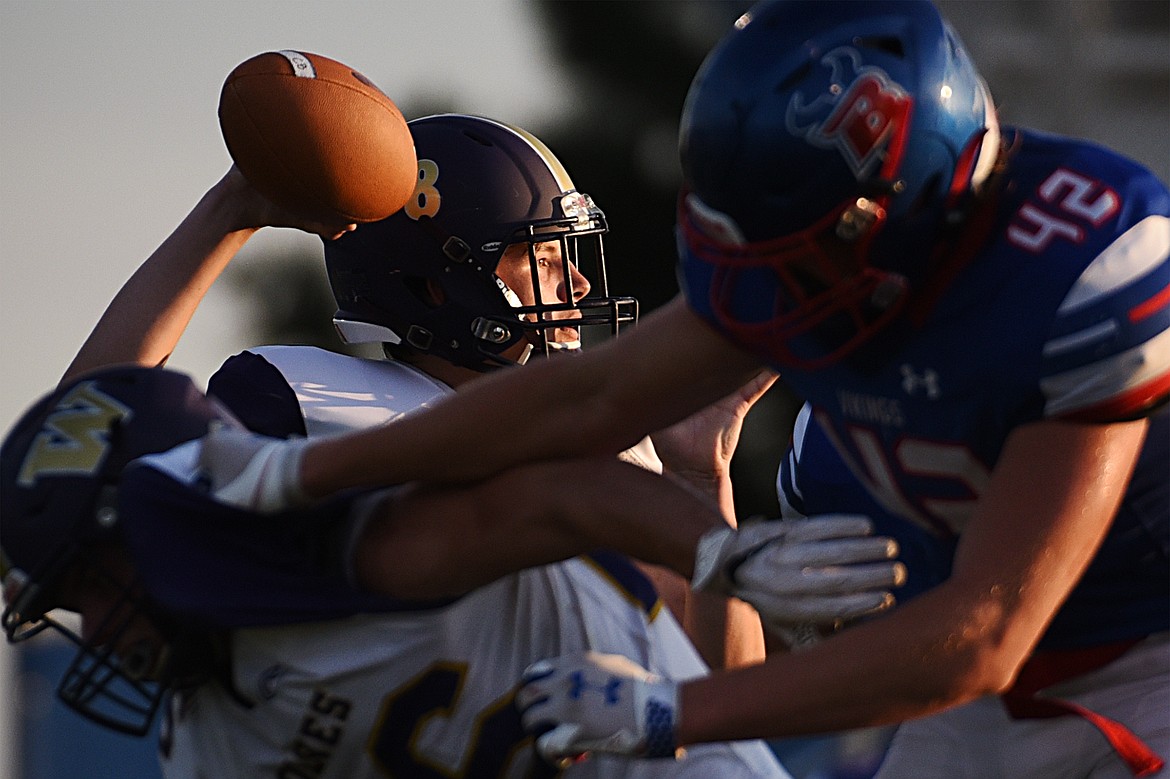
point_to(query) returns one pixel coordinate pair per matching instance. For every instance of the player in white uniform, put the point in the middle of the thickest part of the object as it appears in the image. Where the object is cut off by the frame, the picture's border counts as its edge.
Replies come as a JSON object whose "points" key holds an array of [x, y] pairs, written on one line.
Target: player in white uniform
{"points": [[279, 666], [316, 685]]}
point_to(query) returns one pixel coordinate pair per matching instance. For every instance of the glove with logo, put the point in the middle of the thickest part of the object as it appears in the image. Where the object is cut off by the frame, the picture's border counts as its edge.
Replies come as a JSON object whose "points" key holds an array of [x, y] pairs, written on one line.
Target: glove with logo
{"points": [[252, 471], [592, 702], [821, 570]]}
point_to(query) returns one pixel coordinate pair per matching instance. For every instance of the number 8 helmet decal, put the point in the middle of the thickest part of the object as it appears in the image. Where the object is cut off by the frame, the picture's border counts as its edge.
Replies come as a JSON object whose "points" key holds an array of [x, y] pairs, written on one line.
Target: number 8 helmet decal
{"points": [[826, 148], [424, 279]]}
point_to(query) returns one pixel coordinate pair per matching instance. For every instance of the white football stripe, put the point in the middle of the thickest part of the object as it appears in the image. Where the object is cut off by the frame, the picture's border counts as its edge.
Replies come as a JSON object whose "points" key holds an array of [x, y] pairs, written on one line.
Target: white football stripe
{"points": [[302, 66]]}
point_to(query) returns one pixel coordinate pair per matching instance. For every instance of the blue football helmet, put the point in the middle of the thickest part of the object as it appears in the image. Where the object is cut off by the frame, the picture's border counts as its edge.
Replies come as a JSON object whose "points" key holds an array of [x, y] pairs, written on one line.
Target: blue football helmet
{"points": [[424, 280], [827, 147], [60, 467]]}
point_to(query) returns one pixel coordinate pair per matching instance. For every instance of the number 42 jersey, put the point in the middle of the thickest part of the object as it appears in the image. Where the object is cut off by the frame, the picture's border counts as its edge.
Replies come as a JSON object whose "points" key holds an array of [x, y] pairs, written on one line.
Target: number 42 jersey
{"points": [[1063, 312]]}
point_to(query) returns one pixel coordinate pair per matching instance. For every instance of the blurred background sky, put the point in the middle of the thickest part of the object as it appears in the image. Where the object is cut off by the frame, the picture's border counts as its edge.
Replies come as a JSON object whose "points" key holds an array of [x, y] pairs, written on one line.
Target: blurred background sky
{"points": [[108, 130]]}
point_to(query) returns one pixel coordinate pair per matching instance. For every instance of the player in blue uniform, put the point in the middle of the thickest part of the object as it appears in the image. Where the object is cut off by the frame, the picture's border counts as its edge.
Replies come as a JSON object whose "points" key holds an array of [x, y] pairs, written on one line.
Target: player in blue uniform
{"points": [[980, 319]]}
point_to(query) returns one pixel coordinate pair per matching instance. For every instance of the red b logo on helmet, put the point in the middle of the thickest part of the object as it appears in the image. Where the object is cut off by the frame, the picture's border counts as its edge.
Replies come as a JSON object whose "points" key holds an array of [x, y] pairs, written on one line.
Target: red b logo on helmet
{"points": [[866, 121]]}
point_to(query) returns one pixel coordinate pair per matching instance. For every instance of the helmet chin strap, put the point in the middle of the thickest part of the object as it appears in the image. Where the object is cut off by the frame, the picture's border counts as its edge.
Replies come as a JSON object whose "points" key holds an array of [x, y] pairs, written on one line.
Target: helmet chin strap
{"points": [[553, 346]]}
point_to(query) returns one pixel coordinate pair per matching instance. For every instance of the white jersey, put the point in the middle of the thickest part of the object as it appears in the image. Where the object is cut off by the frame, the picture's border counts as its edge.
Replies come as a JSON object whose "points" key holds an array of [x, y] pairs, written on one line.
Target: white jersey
{"points": [[425, 693]]}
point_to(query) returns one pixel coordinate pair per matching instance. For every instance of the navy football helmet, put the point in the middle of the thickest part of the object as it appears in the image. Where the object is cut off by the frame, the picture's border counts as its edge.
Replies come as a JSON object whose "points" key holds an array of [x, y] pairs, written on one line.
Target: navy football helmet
{"points": [[424, 279], [827, 148], [60, 467]]}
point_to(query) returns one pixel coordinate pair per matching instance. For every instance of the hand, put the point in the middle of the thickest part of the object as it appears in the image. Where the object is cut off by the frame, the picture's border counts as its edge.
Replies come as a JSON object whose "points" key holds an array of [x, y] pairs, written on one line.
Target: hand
{"points": [[701, 446], [252, 471], [821, 570], [593, 702], [253, 210]]}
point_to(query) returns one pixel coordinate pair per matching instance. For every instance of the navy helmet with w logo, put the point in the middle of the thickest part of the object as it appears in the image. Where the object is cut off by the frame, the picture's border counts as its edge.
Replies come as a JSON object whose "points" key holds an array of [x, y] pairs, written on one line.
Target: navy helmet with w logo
{"points": [[60, 467]]}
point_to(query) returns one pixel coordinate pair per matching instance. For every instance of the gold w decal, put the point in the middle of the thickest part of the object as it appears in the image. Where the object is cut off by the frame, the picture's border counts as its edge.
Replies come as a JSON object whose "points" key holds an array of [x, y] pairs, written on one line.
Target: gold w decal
{"points": [[74, 437]]}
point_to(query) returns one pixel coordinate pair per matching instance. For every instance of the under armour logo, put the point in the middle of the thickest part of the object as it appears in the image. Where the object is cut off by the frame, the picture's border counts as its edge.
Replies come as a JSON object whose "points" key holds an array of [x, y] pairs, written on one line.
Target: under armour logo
{"points": [[609, 691], [913, 382]]}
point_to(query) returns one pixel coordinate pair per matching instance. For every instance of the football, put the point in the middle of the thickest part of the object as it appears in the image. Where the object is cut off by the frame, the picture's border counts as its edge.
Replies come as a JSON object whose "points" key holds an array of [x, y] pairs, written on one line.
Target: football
{"points": [[317, 137]]}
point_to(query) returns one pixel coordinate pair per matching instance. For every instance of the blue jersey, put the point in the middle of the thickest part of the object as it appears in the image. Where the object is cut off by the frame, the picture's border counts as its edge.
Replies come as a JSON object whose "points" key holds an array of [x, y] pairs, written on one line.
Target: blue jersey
{"points": [[1061, 312]]}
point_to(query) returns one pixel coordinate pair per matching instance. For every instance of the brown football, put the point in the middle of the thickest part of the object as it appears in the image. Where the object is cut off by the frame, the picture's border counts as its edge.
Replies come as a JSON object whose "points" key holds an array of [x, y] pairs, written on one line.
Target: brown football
{"points": [[317, 137]]}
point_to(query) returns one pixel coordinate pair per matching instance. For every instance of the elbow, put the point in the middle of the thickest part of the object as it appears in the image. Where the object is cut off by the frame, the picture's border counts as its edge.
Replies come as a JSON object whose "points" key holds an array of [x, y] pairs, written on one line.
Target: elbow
{"points": [[974, 661], [976, 672]]}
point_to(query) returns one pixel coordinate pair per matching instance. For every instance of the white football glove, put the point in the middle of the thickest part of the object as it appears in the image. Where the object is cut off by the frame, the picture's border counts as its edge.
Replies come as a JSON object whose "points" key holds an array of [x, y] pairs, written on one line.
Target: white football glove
{"points": [[252, 471], [593, 702], [822, 570]]}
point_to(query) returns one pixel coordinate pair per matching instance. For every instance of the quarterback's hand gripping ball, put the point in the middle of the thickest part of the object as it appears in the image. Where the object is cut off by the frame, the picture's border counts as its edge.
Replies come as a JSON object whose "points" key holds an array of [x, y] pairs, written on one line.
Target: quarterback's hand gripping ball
{"points": [[592, 702], [821, 571], [317, 138]]}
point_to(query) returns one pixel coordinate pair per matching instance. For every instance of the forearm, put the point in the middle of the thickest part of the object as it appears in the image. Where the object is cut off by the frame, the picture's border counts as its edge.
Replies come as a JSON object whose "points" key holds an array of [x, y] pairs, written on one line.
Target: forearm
{"points": [[598, 403], [445, 541], [940, 650], [145, 320], [828, 689], [656, 519], [1055, 490], [432, 543]]}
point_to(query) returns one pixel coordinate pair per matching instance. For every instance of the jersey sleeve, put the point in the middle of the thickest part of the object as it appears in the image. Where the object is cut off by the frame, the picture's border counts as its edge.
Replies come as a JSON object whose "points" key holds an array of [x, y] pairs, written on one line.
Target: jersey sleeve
{"points": [[259, 395], [223, 567], [1107, 356]]}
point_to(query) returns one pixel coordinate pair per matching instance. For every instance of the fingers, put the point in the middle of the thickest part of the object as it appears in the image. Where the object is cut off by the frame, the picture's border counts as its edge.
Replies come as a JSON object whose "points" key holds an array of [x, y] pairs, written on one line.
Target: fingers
{"points": [[791, 581], [799, 545], [821, 554], [825, 526], [820, 570], [330, 231], [785, 611], [759, 384], [556, 744]]}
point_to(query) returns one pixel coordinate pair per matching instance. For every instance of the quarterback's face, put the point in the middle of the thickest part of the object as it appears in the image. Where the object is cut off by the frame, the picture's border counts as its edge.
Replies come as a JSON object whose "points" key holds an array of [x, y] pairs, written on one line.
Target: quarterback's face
{"points": [[545, 270]]}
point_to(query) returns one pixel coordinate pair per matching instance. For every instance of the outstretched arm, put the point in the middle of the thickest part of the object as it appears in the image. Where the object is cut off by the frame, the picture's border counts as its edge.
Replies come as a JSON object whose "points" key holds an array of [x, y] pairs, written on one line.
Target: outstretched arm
{"points": [[458, 538], [599, 403], [145, 319], [1049, 505]]}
